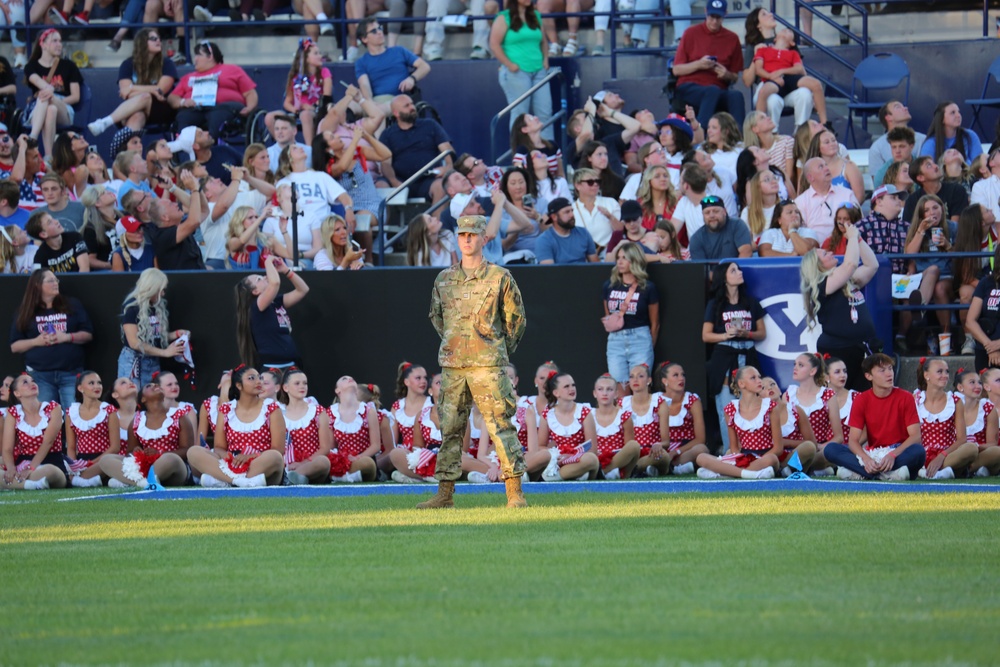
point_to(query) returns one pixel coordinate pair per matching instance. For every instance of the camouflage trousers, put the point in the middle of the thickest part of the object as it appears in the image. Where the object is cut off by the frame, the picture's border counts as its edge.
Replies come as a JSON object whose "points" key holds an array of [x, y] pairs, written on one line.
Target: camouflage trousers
{"points": [[490, 389]]}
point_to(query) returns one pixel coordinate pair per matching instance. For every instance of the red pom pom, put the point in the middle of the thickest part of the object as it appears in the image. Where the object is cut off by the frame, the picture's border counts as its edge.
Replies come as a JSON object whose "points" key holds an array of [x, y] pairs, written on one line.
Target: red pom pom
{"points": [[340, 465], [605, 458], [144, 461], [237, 469]]}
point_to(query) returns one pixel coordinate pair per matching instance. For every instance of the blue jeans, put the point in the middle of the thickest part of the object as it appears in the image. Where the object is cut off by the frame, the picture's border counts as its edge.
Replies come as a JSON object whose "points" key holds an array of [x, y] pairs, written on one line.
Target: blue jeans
{"points": [[216, 264], [515, 84], [841, 456], [710, 99], [136, 367], [640, 31], [722, 399], [59, 386], [628, 348]]}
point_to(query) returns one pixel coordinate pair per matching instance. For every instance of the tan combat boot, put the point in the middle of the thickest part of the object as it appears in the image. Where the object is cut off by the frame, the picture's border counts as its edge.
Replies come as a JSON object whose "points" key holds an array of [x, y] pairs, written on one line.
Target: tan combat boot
{"points": [[443, 497], [515, 497]]}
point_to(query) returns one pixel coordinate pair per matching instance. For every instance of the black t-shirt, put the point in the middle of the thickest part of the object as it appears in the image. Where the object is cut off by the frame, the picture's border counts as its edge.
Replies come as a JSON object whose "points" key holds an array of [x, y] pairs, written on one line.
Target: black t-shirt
{"points": [[171, 255], [744, 315], [65, 73], [60, 357], [63, 260], [272, 333], [6, 79], [413, 148], [127, 71], [637, 313], [989, 292], [954, 197], [845, 320], [130, 315], [100, 246]]}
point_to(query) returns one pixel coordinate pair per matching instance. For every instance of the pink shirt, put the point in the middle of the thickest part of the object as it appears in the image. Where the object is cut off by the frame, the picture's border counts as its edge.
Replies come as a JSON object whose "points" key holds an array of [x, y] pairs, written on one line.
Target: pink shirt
{"points": [[233, 83], [818, 210]]}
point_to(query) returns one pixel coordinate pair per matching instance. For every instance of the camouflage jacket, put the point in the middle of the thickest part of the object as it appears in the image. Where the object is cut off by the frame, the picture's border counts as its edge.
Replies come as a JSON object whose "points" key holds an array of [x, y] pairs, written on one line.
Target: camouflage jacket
{"points": [[479, 316]]}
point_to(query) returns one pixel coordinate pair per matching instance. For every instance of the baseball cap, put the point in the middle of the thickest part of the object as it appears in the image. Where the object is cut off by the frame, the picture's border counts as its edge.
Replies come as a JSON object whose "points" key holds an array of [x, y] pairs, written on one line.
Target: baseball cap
{"points": [[887, 190], [599, 96], [716, 7], [558, 204], [458, 204], [471, 224], [631, 211], [3, 129], [712, 200], [129, 223]]}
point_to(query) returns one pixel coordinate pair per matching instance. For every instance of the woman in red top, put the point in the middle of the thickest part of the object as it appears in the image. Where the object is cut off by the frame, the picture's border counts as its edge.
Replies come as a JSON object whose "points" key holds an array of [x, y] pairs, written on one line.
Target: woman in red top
{"points": [[357, 433], [942, 423], [617, 449], [93, 431], [651, 423], [411, 399], [817, 411], [981, 422], [656, 195], [32, 440], [846, 214], [158, 438], [754, 437], [567, 427], [307, 452], [417, 464], [225, 91], [685, 418], [249, 439]]}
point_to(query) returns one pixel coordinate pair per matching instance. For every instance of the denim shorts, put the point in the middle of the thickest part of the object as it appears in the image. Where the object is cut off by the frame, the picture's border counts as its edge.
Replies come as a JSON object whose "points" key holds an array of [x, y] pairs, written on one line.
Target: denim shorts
{"points": [[628, 348]]}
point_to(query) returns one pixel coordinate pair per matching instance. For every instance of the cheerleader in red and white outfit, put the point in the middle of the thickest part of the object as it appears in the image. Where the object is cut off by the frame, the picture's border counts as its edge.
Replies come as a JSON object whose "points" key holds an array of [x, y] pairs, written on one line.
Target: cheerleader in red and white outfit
{"points": [[159, 437], [537, 402], [982, 423], [171, 394], [357, 436], [818, 414], [371, 394], [417, 464], [208, 413], [791, 420], [566, 428], [32, 440], [8, 380], [411, 400], [93, 431], [250, 447], [535, 459], [836, 379], [270, 382], [307, 451], [652, 428], [754, 437], [942, 424], [617, 449], [685, 418], [125, 396]]}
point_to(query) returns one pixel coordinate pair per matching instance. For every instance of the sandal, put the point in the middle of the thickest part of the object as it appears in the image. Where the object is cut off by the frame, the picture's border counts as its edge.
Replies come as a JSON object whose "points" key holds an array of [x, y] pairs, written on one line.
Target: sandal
{"points": [[553, 49], [570, 49]]}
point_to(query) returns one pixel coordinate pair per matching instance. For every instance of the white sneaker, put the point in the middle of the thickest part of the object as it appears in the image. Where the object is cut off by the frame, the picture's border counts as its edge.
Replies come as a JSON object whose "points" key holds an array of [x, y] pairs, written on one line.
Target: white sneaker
{"points": [[614, 473], [349, 478], [202, 14], [983, 472], [326, 29], [922, 473], [551, 472], [115, 483], [20, 60], [786, 472], [400, 478], [84, 483], [969, 346], [848, 475], [944, 473], [584, 477], [433, 54], [824, 472], [705, 473], [476, 477], [254, 482], [97, 127], [479, 53], [652, 471], [897, 475], [684, 468], [352, 54], [763, 473], [296, 478], [36, 485], [209, 482]]}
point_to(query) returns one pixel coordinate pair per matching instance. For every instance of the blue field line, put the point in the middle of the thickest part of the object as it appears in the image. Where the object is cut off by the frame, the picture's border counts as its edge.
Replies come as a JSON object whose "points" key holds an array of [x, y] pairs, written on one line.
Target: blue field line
{"points": [[533, 488]]}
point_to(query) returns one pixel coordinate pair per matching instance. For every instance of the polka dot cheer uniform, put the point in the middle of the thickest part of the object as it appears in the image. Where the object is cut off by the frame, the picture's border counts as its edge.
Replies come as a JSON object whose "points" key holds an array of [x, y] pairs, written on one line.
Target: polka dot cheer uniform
{"points": [[976, 431], [423, 461], [753, 435], [682, 424], [349, 438], [245, 438], [164, 439], [92, 436], [211, 406], [405, 421], [567, 439], [818, 414], [845, 412], [303, 434], [611, 438], [647, 426], [937, 431], [474, 435], [28, 439]]}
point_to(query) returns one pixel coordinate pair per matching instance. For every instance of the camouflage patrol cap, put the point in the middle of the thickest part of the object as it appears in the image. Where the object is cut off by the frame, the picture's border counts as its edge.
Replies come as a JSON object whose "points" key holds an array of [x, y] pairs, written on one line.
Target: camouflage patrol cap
{"points": [[471, 224]]}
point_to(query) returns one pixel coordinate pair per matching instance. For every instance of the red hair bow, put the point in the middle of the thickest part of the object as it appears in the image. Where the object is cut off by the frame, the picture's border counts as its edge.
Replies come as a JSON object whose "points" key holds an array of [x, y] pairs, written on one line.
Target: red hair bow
{"points": [[153, 377], [923, 360], [551, 375], [961, 369], [735, 371], [371, 387]]}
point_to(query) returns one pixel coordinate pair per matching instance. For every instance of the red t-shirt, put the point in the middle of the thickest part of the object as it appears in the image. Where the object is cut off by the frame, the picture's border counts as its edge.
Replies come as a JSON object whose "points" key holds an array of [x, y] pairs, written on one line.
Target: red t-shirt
{"points": [[887, 418], [233, 83], [775, 59], [697, 42]]}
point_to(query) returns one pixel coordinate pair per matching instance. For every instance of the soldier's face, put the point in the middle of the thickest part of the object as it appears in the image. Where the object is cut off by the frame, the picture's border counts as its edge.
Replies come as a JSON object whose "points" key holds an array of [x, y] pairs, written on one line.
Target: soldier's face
{"points": [[470, 244]]}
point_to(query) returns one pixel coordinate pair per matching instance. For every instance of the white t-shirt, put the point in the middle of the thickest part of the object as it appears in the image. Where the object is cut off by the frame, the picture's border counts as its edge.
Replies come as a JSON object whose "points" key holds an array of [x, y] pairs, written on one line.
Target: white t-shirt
{"points": [[779, 243], [725, 190], [631, 188], [690, 215], [274, 152], [216, 232], [25, 263], [768, 214], [317, 191], [594, 221]]}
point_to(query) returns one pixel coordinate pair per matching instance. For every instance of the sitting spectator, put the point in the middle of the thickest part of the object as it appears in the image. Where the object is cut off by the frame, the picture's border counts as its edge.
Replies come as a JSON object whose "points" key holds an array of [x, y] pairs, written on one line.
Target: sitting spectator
{"points": [[208, 102], [144, 81], [781, 71], [386, 72], [760, 130], [752, 160], [69, 153], [638, 33], [429, 244], [932, 231], [613, 127], [309, 88], [212, 157], [28, 172], [688, 217], [975, 228], [719, 182], [526, 138], [55, 84], [595, 213], [98, 228], [845, 173], [10, 212], [515, 184], [222, 201], [549, 184], [57, 203], [633, 232], [594, 156], [846, 214], [901, 141], [172, 11], [565, 242], [482, 177], [670, 246], [283, 130], [97, 169], [656, 196], [413, 142], [786, 237], [438, 9], [650, 155], [137, 203], [126, 139], [19, 256], [259, 175], [172, 234], [721, 236], [761, 202], [955, 170], [675, 136], [987, 191], [6, 152], [546, 7], [893, 114], [819, 201], [803, 140], [946, 132], [136, 169], [134, 253], [707, 63], [882, 229], [247, 245], [455, 183], [723, 142], [930, 181], [761, 26], [898, 174], [60, 251], [336, 253]]}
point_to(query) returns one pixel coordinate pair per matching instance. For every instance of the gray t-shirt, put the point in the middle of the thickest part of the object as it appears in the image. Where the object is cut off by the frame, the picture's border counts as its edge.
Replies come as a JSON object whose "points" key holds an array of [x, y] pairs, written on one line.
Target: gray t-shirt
{"points": [[71, 217], [726, 242]]}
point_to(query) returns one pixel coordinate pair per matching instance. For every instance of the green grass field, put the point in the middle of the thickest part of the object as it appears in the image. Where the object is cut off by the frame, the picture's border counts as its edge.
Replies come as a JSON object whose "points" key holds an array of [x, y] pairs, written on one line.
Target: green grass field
{"points": [[577, 579]]}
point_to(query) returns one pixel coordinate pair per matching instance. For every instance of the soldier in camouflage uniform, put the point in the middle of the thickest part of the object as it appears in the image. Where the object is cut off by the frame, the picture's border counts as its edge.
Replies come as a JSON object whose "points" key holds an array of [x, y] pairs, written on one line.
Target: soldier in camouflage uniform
{"points": [[477, 311]]}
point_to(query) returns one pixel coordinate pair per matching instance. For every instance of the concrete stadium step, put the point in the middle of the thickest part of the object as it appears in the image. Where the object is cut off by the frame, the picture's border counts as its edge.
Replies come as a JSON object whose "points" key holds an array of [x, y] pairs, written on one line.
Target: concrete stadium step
{"points": [[906, 370]]}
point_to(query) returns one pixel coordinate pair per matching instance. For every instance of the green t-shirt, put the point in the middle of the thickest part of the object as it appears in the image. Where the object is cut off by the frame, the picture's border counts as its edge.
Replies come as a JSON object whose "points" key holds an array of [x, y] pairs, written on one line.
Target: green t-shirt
{"points": [[524, 47]]}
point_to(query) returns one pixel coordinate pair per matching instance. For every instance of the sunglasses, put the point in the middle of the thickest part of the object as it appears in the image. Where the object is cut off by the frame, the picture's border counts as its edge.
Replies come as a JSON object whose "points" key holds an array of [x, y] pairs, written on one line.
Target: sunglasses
{"points": [[153, 38], [711, 200], [588, 181], [848, 205], [374, 30]]}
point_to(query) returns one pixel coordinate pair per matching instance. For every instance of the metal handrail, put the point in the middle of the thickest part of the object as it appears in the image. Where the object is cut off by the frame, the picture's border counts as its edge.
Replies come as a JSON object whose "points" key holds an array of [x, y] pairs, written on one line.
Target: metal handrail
{"points": [[555, 72], [936, 255], [433, 209], [402, 186]]}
